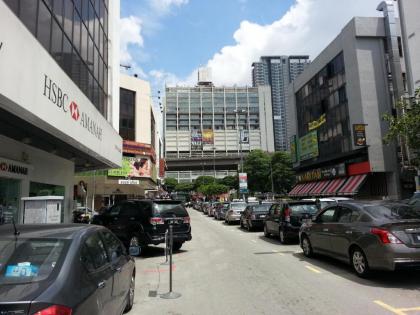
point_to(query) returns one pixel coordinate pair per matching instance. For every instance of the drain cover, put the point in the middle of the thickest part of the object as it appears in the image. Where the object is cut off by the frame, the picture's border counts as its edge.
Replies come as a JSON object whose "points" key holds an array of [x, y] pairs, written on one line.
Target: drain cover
{"points": [[152, 293]]}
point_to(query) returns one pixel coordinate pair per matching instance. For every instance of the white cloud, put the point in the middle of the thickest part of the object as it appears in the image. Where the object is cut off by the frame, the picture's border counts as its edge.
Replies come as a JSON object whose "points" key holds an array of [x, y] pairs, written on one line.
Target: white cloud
{"points": [[307, 28], [130, 35], [164, 6]]}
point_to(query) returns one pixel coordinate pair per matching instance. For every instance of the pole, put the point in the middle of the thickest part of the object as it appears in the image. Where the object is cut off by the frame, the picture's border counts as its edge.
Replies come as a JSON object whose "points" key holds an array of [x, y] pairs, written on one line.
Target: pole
{"points": [[272, 181], [214, 164], [170, 294]]}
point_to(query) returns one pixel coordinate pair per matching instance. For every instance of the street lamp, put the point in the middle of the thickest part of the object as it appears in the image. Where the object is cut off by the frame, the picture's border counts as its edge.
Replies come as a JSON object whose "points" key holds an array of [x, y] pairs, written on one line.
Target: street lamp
{"points": [[237, 112]]}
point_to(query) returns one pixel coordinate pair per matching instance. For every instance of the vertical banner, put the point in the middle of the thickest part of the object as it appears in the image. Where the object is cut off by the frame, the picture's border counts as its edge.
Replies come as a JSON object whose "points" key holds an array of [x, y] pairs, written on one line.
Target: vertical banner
{"points": [[359, 134], [243, 183], [308, 146], [208, 136], [244, 136], [293, 149], [196, 140]]}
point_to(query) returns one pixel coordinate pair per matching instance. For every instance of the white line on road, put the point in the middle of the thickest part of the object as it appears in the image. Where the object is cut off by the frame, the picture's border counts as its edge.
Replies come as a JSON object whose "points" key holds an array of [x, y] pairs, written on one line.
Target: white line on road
{"points": [[313, 269]]}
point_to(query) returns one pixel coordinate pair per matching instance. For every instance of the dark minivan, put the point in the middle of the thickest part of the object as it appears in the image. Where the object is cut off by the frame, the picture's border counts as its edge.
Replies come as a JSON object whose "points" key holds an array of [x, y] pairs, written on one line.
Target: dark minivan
{"points": [[139, 223], [285, 219]]}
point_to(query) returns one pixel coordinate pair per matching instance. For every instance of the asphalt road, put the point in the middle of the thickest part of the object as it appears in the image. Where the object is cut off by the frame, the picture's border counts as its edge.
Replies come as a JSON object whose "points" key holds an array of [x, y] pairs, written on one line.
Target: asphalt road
{"points": [[225, 270]]}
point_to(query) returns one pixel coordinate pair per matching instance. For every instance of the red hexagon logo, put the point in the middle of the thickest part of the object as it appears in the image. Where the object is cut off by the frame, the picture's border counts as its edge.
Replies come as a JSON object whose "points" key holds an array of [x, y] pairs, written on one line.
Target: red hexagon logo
{"points": [[74, 111]]}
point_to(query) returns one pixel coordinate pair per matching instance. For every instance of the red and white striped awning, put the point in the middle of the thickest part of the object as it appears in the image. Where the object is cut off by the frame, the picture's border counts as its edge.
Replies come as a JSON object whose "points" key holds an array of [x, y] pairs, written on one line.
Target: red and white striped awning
{"points": [[319, 187], [352, 185], [333, 186], [296, 189], [308, 187]]}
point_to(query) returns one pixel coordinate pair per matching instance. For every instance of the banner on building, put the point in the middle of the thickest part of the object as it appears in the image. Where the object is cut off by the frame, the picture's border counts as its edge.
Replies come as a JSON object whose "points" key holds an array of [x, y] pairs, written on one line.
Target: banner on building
{"points": [[293, 149], [243, 183], [133, 167], [208, 136], [244, 136], [317, 123], [329, 172], [359, 134], [308, 146], [196, 140]]}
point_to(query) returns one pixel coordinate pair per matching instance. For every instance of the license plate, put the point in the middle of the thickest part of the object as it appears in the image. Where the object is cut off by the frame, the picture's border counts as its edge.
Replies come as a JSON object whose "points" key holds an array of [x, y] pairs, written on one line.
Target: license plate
{"points": [[262, 216]]}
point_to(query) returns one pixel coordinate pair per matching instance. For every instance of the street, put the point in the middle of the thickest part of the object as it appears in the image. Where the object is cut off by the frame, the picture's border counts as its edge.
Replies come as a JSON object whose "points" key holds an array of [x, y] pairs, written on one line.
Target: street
{"points": [[226, 270]]}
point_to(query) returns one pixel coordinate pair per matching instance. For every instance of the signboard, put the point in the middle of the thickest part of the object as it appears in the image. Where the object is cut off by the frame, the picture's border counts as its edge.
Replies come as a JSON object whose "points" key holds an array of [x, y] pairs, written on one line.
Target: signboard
{"points": [[208, 136], [293, 149], [9, 168], [128, 182], [133, 167], [244, 136], [359, 134], [323, 173], [317, 123], [243, 182], [196, 140], [308, 146]]}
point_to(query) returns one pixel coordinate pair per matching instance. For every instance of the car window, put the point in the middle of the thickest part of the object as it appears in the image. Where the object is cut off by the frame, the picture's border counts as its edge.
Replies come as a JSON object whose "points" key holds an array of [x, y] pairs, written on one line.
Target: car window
{"points": [[169, 209], [327, 216], [30, 260], [113, 245], [344, 215], [95, 252], [303, 208], [129, 209], [393, 211], [114, 210]]}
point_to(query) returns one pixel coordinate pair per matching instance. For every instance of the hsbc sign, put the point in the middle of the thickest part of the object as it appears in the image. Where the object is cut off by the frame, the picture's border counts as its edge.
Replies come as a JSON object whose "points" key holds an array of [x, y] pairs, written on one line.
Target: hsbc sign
{"points": [[61, 100]]}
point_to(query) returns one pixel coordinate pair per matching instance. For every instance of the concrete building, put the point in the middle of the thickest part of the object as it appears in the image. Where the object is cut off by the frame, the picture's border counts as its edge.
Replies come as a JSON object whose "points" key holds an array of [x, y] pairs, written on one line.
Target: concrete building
{"points": [[336, 107], [204, 125], [57, 98], [278, 72], [139, 129]]}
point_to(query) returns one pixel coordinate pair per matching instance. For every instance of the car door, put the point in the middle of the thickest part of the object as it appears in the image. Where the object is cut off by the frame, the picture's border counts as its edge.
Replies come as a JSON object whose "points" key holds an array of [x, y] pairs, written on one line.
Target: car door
{"points": [[276, 218], [320, 230], [270, 218], [122, 269], [99, 273]]}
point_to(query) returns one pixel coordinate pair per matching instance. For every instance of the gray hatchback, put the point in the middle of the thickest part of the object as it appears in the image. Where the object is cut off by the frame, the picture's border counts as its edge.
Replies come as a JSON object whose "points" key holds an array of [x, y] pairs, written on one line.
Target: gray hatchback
{"points": [[368, 235]]}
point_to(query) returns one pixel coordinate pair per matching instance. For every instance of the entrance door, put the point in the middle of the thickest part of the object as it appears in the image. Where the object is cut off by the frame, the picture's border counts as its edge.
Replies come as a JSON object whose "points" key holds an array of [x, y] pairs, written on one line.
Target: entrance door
{"points": [[9, 200]]}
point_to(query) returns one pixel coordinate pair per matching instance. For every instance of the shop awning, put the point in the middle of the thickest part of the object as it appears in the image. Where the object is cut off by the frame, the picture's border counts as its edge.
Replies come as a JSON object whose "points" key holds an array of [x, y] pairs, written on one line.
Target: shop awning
{"points": [[296, 189], [333, 186], [319, 187], [308, 187], [352, 185]]}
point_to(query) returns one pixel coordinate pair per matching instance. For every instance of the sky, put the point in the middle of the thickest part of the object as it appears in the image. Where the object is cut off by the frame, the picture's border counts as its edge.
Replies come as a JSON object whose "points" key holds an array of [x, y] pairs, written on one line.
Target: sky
{"points": [[166, 41]]}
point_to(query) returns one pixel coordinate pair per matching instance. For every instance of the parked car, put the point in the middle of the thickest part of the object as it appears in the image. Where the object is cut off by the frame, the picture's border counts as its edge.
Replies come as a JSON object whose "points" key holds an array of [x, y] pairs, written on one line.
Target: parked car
{"points": [[82, 215], [254, 215], [368, 235], [323, 202], [220, 212], [233, 213], [285, 218], [205, 207], [212, 208], [139, 223], [73, 269]]}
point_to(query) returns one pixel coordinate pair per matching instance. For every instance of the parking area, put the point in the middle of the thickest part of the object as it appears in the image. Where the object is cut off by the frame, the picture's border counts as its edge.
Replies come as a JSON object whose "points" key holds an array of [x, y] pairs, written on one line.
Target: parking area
{"points": [[227, 270]]}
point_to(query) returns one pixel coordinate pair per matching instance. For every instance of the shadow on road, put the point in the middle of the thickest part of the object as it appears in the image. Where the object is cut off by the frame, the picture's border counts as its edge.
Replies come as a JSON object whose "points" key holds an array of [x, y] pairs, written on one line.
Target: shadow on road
{"points": [[156, 251], [275, 241], [407, 280]]}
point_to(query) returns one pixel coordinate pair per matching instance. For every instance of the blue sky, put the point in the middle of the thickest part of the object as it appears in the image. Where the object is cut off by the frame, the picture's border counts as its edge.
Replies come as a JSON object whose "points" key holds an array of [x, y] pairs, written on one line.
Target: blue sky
{"points": [[165, 41]]}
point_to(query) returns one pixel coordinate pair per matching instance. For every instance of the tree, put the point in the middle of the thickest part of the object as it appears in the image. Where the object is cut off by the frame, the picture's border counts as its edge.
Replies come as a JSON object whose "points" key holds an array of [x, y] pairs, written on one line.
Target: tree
{"points": [[203, 180], [186, 187], [170, 184], [257, 167], [283, 174], [229, 181], [213, 189]]}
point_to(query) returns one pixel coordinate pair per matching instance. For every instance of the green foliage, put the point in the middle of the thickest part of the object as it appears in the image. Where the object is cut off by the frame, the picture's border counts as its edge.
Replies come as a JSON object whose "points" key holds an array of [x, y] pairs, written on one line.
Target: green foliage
{"points": [[406, 125], [229, 181], [186, 187], [258, 166], [213, 189], [170, 183], [203, 180]]}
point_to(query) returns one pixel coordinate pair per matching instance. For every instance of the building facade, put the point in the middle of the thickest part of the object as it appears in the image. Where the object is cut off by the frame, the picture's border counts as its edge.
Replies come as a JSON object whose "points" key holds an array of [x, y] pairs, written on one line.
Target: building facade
{"points": [[57, 98], [278, 72], [336, 107], [204, 125], [139, 129]]}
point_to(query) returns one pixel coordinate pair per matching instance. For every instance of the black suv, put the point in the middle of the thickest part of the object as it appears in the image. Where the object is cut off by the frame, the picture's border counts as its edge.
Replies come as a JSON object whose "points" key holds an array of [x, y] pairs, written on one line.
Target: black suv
{"points": [[285, 218], [144, 222]]}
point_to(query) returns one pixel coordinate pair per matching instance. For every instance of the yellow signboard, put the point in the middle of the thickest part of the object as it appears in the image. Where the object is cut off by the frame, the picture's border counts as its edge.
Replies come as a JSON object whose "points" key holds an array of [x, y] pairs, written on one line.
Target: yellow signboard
{"points": [[317, 123]]}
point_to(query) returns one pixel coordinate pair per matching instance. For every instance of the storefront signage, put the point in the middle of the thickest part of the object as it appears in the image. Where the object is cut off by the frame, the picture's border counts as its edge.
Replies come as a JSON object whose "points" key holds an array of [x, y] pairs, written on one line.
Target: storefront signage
{"points": [[308, 146], [359, 134], [323, 173], [13, 169], [128, 182], [196, 140], [208, 136], [317, 123], [133, 167]]}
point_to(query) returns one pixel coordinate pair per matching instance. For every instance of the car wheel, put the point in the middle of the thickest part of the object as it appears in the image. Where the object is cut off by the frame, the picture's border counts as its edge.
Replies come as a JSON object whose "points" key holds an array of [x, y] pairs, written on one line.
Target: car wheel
{"points": [[266, 234], [359, 262], [135, 242], [130, 294], [177, 246], [282, 236], [307, 247]]}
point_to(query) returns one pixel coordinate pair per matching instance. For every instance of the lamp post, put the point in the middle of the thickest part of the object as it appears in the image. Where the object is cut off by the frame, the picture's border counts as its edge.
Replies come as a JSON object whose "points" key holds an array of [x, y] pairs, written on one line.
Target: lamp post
{"points": [[238, 112], [214, 163], [272, 180]]}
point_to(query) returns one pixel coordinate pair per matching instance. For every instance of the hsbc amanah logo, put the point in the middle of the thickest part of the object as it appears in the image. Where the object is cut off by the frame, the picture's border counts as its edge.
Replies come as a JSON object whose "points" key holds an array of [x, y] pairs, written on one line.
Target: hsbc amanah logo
{"points": [[74, 111]]}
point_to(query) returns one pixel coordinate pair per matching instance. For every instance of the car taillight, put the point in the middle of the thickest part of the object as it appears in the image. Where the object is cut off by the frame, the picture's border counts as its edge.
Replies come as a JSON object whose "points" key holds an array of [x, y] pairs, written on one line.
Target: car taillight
{"points": [[187, 220], [55, 310], [385, 236], [287, 213], [156, 221]]}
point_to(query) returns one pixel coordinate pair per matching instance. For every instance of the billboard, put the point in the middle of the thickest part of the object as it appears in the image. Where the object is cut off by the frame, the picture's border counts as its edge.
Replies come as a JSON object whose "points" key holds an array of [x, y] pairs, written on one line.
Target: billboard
{"points": [[308, 146], [196, 140], [359, 134], [243, 182], [208, 136], [133, 167]]}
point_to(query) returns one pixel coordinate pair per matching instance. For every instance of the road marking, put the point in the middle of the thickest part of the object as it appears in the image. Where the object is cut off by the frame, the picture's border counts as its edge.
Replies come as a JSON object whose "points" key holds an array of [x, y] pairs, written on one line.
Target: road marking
{"points": [[277, 252], [398, 311], [313, 269]]}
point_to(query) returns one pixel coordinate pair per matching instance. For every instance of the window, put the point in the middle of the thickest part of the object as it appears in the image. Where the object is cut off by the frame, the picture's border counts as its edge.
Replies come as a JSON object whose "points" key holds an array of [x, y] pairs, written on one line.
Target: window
{"points": [[113, 245], [327, 216], [127, 114], [44, 25], [344, 215], [129, 209], [93, 253]]}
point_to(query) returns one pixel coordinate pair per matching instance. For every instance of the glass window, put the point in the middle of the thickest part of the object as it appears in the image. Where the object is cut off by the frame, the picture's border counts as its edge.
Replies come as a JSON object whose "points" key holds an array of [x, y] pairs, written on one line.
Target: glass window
{"points": [[393, 211], [58, 10], [344, 215], [9, 200], [13, 5], [44, 25], [77, 31], [95, 250], [28, 10], [113, 245], [67, 51], [68, 18], [327, 216], [56, 41]]}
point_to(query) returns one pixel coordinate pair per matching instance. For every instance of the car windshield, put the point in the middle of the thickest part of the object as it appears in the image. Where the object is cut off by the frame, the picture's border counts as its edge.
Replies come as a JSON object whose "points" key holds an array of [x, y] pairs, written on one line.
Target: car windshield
{"points": [[262, 208], [170, 208], [393, 212], [29, 260], [327, 203], [304, 208], [238, 206]]}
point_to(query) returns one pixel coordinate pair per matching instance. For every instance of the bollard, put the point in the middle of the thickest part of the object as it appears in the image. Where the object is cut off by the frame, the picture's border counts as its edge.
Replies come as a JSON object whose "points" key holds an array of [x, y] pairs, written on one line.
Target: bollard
{"points": [[170, 294], [166, 248]]}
